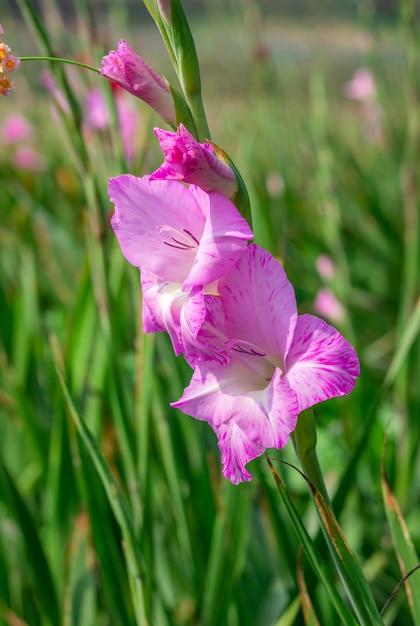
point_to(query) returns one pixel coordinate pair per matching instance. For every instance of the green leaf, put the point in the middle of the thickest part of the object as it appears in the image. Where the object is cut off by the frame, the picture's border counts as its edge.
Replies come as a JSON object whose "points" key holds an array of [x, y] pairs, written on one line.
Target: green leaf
{"points": [[308, 611], [316, 561], [42, 579], [404, 548], [227, 551], [137, 573], [289, 615], [345, 560]]}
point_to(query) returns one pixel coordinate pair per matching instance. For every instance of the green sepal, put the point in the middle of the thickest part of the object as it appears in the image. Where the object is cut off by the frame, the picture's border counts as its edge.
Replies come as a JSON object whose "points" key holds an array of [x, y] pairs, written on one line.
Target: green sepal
{"points": [[187, 66], [181, 48], [182, 111], [241, 198]]}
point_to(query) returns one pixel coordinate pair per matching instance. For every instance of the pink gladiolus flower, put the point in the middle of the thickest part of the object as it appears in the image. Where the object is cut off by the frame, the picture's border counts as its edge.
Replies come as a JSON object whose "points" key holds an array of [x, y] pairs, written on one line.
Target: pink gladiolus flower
{"points": [[27, 158], [125, 68], [192, 162], [361, 87], [280, 364], [97, 116], [15, 128], [182, 240], [325, 267], [327, 305]]}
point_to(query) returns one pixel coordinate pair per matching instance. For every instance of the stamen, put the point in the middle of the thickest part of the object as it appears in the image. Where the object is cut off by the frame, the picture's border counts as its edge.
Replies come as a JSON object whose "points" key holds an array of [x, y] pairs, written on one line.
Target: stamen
{"points": [[244, 347], [191, 235], [181, 239]]}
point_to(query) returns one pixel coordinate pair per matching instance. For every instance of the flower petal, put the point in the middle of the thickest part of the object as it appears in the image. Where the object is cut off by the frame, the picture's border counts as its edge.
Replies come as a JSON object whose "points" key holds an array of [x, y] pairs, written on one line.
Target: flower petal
{"points": [[127, 69], [237, 450], [202, 324], [321, 364], [223, 241], [146, 216], [162, 305], [191, 320], [192, 162], [247, 413], [260, 305]]}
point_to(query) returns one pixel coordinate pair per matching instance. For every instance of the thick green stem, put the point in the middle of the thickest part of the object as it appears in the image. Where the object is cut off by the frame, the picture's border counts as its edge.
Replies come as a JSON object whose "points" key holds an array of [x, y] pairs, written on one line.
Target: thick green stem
{"points": [[304, 442], [345, 561]]}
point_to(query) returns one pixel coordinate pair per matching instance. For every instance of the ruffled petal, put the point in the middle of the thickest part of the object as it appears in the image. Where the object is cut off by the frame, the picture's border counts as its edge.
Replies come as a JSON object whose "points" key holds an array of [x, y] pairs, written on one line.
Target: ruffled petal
{"points": [[223, 241], [237, 450], [248, 412], [321, 364], [192, 162], [147, 222], [193, 321], [260, 305]]}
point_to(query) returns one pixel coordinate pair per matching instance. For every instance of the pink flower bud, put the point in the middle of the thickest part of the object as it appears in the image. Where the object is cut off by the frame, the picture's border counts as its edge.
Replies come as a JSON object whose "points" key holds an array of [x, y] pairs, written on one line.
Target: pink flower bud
{"points": [[192, 162], [125, 68], [165, 10]]}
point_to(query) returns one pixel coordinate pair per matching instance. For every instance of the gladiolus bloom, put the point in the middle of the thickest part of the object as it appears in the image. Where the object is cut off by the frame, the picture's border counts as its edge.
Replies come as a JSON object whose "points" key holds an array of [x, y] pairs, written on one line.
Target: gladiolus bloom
{"points": [[280, 364], [361, 87], [192, 162], [15, 128], [125, 68], [182, 240], [27, 158]]}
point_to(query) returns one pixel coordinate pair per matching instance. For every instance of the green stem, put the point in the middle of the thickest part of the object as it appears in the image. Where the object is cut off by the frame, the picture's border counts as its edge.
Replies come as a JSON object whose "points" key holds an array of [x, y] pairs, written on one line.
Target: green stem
{"points": [[304, 442], [345, 561], [68, 61]]}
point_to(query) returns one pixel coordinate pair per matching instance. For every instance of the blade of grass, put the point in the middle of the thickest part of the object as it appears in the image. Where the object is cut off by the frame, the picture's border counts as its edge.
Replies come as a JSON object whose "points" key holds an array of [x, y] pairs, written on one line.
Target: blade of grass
{"points": [[309, 614], [289, 616], [345, 561], [41, 574], [311, 553], [403, 545], [227, 550], [137, 574]]}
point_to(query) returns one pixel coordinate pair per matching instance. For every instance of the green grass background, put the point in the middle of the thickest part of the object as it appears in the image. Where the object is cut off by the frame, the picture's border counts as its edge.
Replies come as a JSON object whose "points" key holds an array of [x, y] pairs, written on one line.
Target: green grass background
{"points": [[206, 553]]}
